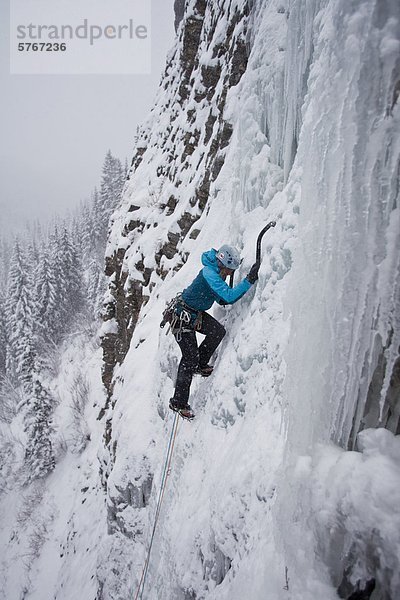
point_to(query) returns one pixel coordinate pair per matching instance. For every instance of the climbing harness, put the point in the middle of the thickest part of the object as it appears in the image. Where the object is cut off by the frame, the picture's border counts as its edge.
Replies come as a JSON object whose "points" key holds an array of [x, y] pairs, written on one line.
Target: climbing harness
{"points": [[181, 317], [169, 312], [165, 475]]}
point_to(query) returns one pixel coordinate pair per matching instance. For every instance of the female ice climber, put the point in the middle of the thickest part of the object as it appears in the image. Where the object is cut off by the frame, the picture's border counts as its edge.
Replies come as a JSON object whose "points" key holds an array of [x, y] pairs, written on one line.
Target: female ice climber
{"points": [[187, 316]]}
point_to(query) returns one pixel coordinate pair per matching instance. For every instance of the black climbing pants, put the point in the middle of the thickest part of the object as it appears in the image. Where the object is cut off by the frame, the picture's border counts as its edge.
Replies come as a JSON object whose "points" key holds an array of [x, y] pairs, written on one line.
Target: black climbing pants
{"points": [[194, 356]]}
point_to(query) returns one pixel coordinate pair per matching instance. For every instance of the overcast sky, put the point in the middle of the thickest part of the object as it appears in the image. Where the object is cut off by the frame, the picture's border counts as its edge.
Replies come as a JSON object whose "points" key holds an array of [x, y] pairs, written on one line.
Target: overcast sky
{"points": [[56, 129]]}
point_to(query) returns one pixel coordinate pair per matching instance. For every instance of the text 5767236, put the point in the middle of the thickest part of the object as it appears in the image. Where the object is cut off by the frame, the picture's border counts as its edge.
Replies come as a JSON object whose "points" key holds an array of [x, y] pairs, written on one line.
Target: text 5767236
{"points": [[41, 47]]}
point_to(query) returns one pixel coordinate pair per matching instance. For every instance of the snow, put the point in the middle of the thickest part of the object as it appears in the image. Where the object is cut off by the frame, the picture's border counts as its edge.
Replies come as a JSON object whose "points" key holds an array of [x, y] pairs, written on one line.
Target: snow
{"points": [[271, 480], [110, 326], [353, 493], [50, 531], [259, 476]]}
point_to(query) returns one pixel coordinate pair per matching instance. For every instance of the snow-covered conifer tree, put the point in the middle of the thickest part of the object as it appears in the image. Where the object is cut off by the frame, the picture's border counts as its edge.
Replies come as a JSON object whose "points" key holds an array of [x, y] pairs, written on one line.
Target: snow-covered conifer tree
{"points": [[32, 257], [124, 173], [45, 295], [72, 274], [75, 231], [28, 362], [87, 233], [39, 454], [3, 337], [18, 311], [96, 287], [56, 261], [111, 187], [4, 263], [98, 227]]}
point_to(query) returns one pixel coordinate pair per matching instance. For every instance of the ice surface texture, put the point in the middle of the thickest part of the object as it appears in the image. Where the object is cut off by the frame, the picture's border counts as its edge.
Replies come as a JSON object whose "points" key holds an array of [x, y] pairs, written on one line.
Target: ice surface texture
{"points": [[310, 356]]}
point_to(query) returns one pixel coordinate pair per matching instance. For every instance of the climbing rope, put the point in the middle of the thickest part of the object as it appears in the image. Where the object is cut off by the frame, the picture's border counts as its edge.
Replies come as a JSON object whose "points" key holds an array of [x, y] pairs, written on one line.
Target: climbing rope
{"points": [[165, 475]]}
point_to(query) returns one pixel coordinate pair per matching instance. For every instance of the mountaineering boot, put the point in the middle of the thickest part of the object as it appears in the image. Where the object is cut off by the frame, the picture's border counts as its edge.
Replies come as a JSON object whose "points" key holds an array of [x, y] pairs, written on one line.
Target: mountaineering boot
{"points": [[204, 371], [184, 410]]}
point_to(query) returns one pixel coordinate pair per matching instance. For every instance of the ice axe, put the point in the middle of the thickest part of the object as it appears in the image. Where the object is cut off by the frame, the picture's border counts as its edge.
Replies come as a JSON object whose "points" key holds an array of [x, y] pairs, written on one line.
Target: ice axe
{"points": [[258, 246], [260, 237]]}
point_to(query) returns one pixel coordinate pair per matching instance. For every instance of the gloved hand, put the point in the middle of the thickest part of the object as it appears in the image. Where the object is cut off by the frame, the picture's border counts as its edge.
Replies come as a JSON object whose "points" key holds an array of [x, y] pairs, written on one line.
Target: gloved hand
{"points": [[253, 273]]}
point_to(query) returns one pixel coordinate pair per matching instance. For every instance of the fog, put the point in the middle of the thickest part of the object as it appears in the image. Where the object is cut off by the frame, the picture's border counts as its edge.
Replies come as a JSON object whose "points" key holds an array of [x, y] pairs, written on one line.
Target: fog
{"points": [[56, 129]]}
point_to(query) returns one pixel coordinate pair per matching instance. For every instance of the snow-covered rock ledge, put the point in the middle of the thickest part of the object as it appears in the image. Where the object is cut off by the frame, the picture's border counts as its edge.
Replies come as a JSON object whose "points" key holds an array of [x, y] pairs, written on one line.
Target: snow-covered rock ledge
{"points": [[179, 152]]}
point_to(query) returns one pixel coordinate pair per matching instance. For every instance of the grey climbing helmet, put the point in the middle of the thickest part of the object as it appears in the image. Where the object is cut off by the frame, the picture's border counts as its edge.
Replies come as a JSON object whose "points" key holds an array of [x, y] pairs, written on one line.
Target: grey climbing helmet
{"points": [[229, 257]]}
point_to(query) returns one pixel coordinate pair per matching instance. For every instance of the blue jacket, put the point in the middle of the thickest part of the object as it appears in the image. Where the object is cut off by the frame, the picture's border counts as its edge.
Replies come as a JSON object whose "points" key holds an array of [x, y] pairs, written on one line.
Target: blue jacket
{"points": [[209, 287]]}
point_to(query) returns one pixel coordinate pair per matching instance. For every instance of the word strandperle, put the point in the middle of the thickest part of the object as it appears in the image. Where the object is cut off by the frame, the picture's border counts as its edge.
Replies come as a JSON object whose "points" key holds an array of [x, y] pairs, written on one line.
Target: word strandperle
{"points": [[84, 31]]}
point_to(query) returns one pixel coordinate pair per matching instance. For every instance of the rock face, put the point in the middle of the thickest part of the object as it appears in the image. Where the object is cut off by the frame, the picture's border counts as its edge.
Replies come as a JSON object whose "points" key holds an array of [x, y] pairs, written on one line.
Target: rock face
{"points": [[178, 154], [188, 131]]}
